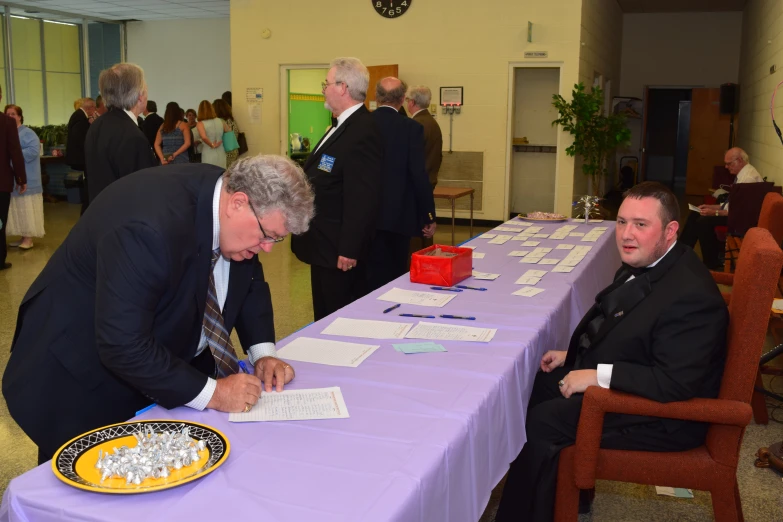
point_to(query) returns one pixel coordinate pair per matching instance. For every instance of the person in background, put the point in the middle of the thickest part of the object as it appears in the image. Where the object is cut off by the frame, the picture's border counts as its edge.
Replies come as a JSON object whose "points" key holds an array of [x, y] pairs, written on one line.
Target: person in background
{"points": [[77, 104], [223, 111], [190, 116], [12, 172], [210, 129], [195, 140], [226, 97], [78, 125], [173, 138], [25, 214], [152, 122], [100, 107]]}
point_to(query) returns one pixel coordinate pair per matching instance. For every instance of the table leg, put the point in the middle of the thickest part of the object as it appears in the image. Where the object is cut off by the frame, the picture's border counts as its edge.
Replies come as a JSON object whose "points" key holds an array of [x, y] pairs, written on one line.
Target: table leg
{"points": [[471, 214], [453, 201]]}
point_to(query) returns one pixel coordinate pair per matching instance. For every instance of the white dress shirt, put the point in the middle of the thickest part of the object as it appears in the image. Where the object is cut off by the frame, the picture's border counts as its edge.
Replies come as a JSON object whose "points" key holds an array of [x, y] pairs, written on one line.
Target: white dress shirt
{"points": [[748, 174], [417, 112], [605, 370], [340, 119], [221, 272], [132, 116]]}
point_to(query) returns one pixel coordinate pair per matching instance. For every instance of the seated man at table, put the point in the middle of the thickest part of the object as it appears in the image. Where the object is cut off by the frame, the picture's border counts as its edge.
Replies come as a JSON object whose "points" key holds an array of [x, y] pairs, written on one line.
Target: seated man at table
{"points": [[138, 303], [658, 331]]}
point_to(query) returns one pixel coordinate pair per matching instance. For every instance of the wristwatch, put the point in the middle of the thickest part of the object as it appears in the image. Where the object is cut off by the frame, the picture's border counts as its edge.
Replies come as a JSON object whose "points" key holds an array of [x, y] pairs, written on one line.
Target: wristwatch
{"points": [[717, 213]]}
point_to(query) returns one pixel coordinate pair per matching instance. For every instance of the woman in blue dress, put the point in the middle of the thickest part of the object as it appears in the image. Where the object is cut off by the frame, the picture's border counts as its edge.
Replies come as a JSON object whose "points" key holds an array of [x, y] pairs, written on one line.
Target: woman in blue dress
{"points": [[173, 139]]}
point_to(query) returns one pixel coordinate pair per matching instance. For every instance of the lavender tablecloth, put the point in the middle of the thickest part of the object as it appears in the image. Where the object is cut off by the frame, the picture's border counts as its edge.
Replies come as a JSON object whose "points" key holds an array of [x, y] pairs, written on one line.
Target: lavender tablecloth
{"points": [[429, 435]]}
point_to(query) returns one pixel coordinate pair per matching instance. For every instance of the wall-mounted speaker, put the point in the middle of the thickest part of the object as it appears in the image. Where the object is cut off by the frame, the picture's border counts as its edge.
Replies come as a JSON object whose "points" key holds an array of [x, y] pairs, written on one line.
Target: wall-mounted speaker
{"points": [[729, 98]]}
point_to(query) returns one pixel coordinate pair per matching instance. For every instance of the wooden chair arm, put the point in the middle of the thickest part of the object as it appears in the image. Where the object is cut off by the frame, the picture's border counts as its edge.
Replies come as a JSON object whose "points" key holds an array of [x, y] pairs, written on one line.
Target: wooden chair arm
{"points": [[723, 278]]}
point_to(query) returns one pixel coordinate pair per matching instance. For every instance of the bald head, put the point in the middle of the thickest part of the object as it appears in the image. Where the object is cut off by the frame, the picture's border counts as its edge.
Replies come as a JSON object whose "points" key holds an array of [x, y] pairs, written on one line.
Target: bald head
{"points": [[390, 91], [735, 159]]}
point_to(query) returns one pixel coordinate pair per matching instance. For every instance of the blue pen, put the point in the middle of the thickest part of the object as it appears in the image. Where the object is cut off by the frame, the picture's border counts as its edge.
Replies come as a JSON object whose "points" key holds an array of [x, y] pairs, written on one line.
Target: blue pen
{"points": [[471, 288], [243, 367], [392, 308], [448, 289], [148, 408], [417, 315], [458, 317]]}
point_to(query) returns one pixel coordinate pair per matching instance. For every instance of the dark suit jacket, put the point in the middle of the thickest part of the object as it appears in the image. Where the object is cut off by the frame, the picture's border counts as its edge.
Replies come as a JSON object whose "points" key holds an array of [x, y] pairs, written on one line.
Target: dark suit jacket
{"points": [[11, 158], [665, 332], [406, 195], [78, 125], [346, 199], [150, 126], [114, 319], [114, 148], [433, 144]]}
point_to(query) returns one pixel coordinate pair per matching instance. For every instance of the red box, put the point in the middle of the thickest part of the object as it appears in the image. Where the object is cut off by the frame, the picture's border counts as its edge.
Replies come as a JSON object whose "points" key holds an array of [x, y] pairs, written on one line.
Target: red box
{"points": [[441, 271]]}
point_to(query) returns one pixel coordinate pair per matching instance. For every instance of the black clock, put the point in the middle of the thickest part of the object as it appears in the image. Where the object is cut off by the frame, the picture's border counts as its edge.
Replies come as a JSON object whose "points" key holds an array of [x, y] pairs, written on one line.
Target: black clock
{"points": [[391, 8]]}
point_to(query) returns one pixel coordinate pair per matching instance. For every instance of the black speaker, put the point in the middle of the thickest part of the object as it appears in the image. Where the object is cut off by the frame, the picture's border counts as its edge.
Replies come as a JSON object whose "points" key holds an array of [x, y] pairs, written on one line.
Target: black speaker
{"points": [[729, 98]]}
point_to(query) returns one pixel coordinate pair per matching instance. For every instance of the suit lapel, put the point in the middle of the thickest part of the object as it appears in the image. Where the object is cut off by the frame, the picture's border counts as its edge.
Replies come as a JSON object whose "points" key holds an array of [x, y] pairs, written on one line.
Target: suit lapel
{"points": [[333, 138]]}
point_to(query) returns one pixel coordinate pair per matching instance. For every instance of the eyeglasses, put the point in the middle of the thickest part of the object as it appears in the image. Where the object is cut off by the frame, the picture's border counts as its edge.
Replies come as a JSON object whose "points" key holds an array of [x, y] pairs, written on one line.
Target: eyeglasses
{"points": [[325, 84], [730, 162], [266, 239]]}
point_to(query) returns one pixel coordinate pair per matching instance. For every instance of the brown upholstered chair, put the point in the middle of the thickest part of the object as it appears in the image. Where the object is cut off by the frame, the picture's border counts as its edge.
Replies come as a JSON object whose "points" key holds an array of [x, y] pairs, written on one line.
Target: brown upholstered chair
{"points": [[770, 217], [711, 467]]}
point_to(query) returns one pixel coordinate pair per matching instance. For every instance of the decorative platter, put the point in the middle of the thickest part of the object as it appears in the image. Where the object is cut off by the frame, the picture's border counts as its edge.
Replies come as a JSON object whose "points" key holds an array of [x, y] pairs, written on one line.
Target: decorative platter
{"points": [[74, 463], [524, 217]]}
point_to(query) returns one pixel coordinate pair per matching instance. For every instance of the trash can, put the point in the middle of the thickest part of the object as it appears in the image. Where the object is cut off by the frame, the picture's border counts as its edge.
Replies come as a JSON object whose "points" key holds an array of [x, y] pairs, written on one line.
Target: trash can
{"points": [[73, 182]]}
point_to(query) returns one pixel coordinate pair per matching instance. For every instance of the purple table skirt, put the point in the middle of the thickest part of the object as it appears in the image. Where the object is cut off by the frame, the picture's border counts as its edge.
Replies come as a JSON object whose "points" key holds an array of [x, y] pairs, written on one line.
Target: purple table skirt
{"points": [[429, 435]]}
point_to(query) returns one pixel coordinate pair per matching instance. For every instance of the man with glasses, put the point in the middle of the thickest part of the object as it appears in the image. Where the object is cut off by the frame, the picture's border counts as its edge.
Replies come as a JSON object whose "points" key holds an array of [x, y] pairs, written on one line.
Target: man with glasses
{"points": [[141, 298], [701, 226], [345, 171]]}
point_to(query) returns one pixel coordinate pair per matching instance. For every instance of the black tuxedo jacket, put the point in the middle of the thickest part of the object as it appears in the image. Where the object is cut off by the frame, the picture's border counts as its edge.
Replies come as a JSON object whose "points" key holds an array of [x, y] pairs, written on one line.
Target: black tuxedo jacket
{"points": [[113, 321], [433, 144], [114, 148], [78, 125], [347, 196], [150, 126], [406, 194], [665, 332]]}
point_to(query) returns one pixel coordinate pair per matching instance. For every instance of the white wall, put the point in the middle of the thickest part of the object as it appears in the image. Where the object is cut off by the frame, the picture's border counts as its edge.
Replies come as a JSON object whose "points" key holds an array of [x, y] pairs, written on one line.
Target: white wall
{"points": [[762, 47], [185, 61], [680, 49]]}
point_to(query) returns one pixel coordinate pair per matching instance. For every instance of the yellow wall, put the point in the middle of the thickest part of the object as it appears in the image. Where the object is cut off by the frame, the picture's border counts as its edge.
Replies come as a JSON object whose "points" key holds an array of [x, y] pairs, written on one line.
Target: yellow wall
{"points": [[306, 81], [762, 47], [461, 42]]}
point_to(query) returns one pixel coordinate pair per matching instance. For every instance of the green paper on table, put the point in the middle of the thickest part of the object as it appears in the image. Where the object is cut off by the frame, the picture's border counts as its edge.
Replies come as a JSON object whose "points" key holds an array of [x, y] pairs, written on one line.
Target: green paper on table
{"points": [[418, 347]]}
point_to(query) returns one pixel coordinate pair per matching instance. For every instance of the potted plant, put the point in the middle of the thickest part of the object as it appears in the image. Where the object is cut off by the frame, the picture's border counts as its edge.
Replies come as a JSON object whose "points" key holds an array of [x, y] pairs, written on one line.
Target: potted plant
{"points": [[52, 136], [596, 136]]}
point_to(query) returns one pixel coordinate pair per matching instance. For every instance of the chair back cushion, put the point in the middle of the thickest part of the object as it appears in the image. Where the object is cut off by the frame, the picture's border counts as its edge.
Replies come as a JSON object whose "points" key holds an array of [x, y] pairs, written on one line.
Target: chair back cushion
{"points": [[771, 216], [745, 202]]}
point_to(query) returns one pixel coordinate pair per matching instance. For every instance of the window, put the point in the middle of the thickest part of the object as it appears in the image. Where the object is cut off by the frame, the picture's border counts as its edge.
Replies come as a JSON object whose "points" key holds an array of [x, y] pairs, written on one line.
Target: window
{"points": [[28, 68], [62, 59]]}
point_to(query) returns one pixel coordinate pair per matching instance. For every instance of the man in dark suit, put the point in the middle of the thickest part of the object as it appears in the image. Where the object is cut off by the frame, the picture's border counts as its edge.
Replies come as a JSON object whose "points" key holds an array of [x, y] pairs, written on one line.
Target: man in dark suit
{"points": [[658, 331], [345, 171], [115, 146], [78, 125], [125, 312], [417, 101], [407, 208], [11, 171], [152, 122]]}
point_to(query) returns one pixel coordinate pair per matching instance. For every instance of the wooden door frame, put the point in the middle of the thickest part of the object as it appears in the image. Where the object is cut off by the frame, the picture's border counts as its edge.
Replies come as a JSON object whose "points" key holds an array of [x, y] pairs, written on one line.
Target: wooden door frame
{"points": [[284, 108], [510, 126]]}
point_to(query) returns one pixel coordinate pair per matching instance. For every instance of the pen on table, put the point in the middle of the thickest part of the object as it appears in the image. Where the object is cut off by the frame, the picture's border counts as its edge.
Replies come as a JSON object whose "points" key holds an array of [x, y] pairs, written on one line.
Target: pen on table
{"points": [[392, 308], [243, 367], [447, 288], [458, 317], [418, 315], [470, 287], [148, 408]]}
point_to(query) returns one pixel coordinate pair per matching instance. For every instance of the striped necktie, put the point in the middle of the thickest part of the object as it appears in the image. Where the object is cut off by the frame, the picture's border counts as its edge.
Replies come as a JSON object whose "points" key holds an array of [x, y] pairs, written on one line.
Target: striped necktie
{"points": [[218, 338]]}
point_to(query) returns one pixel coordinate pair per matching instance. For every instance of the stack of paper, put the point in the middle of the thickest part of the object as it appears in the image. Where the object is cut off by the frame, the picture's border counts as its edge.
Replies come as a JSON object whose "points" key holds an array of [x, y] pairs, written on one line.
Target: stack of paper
{"points": [[322, 351], [478, 255], [289, 405], [528, 291], [485, 276], [507, 229], [574, 257], [487, 236], [549, 261], [412, 297], [594, 234], [449, 332], [419, 347], [516, 223], [564, 246], [499, 240], [519, 253], [562, 232], [367, 329]]}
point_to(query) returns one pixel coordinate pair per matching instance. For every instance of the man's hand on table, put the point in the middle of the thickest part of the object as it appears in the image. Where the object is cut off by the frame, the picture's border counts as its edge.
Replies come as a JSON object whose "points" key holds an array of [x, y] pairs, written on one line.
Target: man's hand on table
{"points": [[553, 359], [577, 382], [235, 392], [273, 372]]}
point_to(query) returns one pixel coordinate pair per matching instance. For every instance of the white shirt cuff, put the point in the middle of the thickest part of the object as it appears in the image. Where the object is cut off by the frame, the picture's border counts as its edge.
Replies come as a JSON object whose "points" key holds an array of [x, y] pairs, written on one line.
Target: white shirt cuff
{"points": [[203, 398], [604, 375], [259, 350]]}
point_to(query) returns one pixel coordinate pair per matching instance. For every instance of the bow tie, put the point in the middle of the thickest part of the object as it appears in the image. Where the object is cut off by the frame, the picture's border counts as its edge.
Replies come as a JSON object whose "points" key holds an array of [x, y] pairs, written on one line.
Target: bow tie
{"points": [[634, 271]]}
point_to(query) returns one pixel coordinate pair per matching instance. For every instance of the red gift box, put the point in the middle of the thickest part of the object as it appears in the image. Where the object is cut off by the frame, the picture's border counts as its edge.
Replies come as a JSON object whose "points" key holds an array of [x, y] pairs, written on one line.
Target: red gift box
{"points": [[441, 271]]}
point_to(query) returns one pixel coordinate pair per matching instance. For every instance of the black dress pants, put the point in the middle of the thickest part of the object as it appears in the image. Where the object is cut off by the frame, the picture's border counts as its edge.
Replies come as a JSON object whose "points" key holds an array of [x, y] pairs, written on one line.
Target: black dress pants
{"points": [[531, 485], [388, 258], [333, 289], [5, 203], [702, 229]]}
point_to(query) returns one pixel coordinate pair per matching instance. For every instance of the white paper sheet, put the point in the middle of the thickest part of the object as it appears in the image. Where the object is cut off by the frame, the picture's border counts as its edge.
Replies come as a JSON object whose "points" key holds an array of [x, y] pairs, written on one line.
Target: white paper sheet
{"points": [[519, 253], [596, 221], [478, 255], [541, 235], [576, 234], [527, 260], [534, 273], [549, 261], [450, 332], [485, 276], [501, 239], [412, 297], [528, 291], [323, 351], [531, 243], [564, 246], [517, 223], [487, 236], [527, 280], [562, 268], [289, 405], [367, 329]]}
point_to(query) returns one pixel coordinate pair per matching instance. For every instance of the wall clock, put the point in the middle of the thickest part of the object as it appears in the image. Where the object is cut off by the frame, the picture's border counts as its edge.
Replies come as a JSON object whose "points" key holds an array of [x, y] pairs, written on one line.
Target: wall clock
{"points": [[391, 8]]}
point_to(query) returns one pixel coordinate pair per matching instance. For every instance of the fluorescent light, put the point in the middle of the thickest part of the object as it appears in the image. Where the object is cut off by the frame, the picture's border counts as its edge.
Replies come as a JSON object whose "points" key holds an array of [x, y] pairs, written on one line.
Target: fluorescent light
{"points": [[21, 17], [60, 23]]}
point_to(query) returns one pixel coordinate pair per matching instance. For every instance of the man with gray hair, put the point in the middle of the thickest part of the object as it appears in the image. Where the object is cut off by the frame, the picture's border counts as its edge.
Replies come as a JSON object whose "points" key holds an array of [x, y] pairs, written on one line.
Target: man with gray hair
{"points": [[115, 146], [407, 208], [143, 294], [345, 171]]}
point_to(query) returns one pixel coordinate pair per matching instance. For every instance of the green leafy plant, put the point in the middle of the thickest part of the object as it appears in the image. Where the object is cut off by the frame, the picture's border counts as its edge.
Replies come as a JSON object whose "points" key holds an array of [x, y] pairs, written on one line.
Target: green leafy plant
{"points": [[52, 135], [595, 136]]}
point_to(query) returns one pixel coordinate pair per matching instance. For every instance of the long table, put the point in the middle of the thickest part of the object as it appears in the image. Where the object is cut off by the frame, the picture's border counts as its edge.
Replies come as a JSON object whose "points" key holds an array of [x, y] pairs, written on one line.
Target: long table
{"points": [[429, 435]]}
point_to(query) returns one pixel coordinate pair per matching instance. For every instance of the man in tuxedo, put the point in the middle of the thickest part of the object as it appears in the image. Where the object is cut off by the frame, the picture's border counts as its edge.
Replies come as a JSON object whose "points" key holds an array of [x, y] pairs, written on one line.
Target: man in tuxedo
{"points": [[345, 171], [407, 208], [137, 305], [12, 172], [115, 146], [417, 101], [100, 107], [658, 331], [78, 125], [152, 122]]}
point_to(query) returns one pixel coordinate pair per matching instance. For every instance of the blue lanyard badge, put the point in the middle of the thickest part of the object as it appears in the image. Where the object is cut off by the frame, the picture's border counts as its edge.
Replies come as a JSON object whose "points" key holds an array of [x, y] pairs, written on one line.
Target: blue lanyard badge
{"points": [[327, 163]]}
